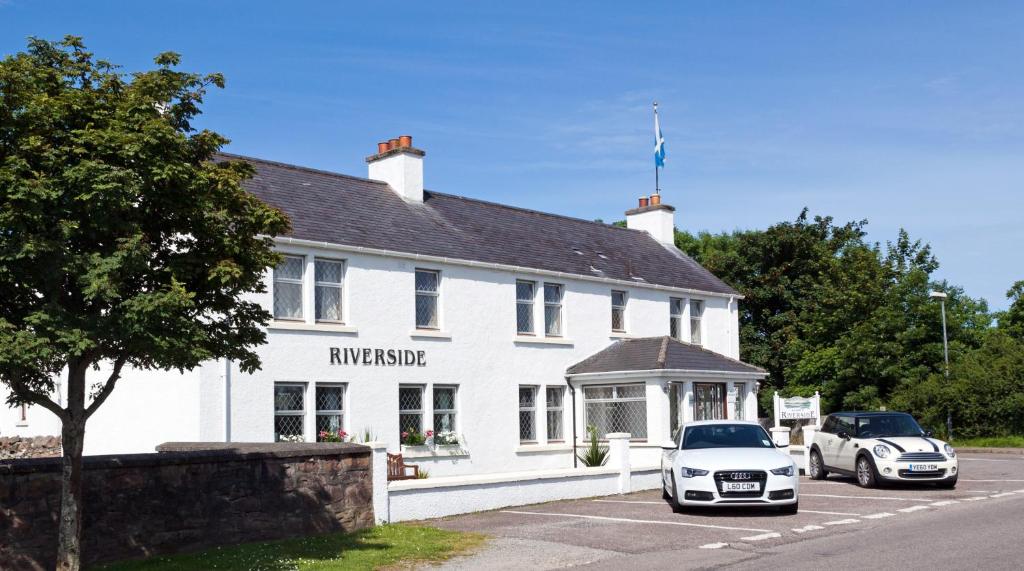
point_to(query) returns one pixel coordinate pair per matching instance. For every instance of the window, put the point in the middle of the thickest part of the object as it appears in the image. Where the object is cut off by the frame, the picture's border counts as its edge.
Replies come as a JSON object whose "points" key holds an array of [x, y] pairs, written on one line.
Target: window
{"points": [[444, 409], [675, 318], [555, 402], [741, 400], [330, 407], [524, 307], [527, 414], [427, 282], [328, 275], [410, 409], [288, 288], [676, 395], [618, 310], [829, 426], [696, 312], [289, 412], [553, 310], [617, 408]]}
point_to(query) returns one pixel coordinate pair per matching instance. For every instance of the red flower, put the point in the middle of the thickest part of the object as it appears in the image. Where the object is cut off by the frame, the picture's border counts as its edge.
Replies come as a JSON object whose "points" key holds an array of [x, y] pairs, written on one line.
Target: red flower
{"points": [[430, 433], [405, 435]]}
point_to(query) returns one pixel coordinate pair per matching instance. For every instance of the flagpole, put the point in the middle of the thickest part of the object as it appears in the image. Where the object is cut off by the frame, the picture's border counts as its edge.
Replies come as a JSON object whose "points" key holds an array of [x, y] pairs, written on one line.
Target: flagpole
{"points": [[657, 183]]}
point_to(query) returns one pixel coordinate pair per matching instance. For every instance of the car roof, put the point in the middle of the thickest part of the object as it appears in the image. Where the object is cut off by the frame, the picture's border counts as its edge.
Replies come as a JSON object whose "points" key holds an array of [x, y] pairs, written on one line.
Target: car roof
{"points": [[867, 413], [713, 422]]}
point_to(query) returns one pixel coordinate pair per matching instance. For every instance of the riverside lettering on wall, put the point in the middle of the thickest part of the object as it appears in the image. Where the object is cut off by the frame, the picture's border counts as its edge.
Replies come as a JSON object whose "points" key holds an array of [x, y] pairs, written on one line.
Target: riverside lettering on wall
{"points": [[378, 357]]}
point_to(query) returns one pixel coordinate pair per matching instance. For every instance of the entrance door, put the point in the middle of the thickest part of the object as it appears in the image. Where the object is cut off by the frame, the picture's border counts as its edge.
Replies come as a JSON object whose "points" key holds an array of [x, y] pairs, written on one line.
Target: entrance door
{"points": [[708, 401]]}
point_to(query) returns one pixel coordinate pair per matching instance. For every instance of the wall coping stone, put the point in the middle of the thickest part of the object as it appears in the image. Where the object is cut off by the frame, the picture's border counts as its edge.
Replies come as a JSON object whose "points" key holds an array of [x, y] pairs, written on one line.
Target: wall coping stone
{"points": [[177, 453]]}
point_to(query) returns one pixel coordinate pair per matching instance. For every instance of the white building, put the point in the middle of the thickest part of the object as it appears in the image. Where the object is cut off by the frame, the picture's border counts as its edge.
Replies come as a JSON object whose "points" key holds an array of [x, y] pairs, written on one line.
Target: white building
{"points": [[401, 308]]}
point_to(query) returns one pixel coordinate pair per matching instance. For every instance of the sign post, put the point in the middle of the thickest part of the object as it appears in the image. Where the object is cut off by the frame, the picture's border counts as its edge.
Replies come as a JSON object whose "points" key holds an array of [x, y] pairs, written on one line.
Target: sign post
{"points": [[796, 408]]}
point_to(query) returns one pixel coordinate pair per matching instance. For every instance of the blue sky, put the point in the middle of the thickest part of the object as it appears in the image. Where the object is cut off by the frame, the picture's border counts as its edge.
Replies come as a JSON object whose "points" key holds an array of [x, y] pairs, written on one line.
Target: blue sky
{"points": [[908, 114]]}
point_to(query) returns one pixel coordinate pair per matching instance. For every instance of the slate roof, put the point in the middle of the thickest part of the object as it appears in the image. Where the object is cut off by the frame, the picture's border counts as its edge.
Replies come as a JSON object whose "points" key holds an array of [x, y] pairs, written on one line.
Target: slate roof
{"points": [[346, 210], [658, 353]]}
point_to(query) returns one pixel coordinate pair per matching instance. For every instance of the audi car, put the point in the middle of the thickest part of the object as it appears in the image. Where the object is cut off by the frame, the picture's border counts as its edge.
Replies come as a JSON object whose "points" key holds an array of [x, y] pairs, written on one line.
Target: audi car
{"points": [[727, 463], [878, 447]]}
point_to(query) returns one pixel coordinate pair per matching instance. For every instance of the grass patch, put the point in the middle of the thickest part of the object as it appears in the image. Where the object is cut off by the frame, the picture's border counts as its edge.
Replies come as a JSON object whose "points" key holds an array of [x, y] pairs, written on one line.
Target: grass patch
{"points": [[991, 442], [368, 549]]}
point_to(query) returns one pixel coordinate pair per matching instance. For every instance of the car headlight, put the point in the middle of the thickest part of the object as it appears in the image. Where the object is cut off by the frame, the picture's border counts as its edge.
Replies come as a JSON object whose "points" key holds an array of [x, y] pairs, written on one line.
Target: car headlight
{"points": [[692, 472], [787, 471], [950, 452], [882, 451]]}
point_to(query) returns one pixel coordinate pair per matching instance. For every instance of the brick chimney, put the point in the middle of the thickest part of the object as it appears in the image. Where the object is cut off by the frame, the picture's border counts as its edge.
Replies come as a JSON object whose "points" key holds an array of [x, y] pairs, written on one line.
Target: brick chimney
{"points": [[653, 217], [400, 165]]}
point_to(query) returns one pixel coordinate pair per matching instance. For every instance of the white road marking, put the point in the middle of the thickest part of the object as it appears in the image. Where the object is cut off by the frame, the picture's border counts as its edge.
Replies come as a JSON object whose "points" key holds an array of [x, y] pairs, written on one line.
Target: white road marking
{"points": [[627, 520], [975, 498], [842, 521], [868, 497], [663, 503], [1019, 491], [992, 480], [913, 509], [807, 528], [714, 545], [761, 537], [826, 513], [1002, 495], [986, 459], [946, 503], [879, 515]]}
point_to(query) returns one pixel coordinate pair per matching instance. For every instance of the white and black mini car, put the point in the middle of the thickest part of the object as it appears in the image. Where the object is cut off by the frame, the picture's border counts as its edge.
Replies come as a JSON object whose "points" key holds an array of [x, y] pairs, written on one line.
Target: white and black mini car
{"points": [[878, 447]]}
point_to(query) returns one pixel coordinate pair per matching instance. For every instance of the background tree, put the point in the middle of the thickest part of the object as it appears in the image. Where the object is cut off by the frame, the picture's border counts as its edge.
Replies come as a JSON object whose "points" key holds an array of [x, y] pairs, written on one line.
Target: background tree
{"points": [[122, 242]]}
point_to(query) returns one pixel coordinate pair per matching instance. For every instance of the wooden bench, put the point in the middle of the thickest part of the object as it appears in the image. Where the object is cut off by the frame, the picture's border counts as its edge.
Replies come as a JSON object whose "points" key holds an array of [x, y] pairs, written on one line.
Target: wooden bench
{"points": [[399, 470]]}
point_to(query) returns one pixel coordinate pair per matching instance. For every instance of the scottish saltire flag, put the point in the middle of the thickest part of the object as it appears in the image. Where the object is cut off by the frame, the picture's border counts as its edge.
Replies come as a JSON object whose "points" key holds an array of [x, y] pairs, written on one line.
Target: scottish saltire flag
{"points": [[659, 141]]}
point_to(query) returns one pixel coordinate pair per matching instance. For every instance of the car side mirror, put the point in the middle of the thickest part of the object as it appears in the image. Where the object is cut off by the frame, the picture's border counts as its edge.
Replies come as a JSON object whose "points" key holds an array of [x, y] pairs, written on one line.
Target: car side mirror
{"points": [[669, 445], [844, 435], [782, 445]]}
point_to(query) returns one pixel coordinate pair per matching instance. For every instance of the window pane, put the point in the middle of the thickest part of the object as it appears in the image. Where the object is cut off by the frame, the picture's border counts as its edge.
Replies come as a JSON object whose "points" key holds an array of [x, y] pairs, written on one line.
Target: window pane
{"points": [[675, 305], [553, 319], [289, 397], [329, 398], [287, 426], [328, 271], [328, 303], [673, 327], [552, 293], [527, 397], [410, 422], [618, 320], [597, 392], [524, 317], [444, 398], [618, 298], [619, 416], [696, 308], [554, 425], [288, 300], [426, 311], [290, 268], [630, 391], [327, 422], [526, 425], [555, 397], [426, 281], [410, 398], [524, 291], [444, 422], [695, 331]]}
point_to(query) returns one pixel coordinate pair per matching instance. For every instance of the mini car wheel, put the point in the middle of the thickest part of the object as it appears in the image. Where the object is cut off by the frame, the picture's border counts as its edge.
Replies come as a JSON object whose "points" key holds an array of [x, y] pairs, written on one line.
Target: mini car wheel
{"points": [[676, 506], [866, 477], [817, 469], [791, 509]]}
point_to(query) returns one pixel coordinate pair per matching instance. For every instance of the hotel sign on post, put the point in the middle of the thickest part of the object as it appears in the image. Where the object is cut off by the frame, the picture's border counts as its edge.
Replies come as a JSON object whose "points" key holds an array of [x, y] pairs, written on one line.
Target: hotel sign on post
{"points": [[797, 408]]}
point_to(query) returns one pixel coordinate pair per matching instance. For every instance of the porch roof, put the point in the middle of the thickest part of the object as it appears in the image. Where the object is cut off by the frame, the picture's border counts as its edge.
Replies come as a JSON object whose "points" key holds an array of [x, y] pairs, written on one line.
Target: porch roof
{"points": [[659, 354]]}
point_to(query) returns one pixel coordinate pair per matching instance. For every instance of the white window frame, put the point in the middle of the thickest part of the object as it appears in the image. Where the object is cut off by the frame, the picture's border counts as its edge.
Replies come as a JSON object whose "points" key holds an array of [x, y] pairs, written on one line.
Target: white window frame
{"points": [[620, 308], [676, 318], [340, 286], [318, 412], [616, 398], [530, 303], [437, 300], [301, 281], [531, 409], [697, 321], [420, 411], [560, 304], [549, 409], [454, 411], [299, 413], [741, 401]]}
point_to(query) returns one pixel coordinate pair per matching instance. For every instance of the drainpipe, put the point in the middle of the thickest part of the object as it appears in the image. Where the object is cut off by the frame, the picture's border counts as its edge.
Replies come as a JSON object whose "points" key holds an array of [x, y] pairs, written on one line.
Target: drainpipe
{"points": [[572, 391], [227, 400]]}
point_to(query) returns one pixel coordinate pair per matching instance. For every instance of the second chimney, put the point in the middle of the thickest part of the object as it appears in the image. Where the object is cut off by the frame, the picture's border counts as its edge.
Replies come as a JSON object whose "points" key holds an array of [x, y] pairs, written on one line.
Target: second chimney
{"points": [[655, 218], [400, 165]]}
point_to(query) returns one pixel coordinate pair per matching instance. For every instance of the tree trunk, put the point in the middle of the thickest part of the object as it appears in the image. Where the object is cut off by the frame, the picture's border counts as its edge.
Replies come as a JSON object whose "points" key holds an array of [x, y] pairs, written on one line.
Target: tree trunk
{"points": [[69, 540]]}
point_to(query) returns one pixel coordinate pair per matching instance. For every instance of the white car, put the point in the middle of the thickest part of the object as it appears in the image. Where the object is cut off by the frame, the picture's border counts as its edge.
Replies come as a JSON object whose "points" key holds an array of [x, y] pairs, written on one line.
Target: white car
{"points": [[878, 447], [727, 463]]}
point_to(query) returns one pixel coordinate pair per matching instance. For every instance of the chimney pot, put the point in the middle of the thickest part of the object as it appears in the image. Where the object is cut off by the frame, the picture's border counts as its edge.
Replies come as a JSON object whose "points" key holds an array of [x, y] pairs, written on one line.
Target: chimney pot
{"points": [[405, 141], [655, 199], [382, 147], [644, 201], [392, 143]]}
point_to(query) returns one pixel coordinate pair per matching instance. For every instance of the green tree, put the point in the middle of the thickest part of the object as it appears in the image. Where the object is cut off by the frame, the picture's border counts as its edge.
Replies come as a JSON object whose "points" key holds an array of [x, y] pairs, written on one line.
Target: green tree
{"points": [[1012, 320], [123, 242]]}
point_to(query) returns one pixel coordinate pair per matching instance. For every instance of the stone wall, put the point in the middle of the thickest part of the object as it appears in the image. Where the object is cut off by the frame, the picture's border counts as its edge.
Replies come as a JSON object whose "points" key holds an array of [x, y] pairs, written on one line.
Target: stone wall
{"points": [[15, 447], [186, 499]]}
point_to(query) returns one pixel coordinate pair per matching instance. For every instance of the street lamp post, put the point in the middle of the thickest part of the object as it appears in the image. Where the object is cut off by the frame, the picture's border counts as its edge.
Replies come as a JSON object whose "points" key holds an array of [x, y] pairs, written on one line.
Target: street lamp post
{"points": [[941, 296]]}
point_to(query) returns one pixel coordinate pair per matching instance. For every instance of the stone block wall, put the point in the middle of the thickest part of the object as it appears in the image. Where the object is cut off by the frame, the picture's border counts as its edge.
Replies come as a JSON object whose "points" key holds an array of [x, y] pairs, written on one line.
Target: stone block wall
{"points": [[14, 447], [186, 499]]}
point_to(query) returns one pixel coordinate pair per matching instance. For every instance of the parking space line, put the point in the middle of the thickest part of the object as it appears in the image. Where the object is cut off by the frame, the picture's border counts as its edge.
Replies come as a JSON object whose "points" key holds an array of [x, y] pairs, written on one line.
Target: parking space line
{"points": [[1002, 495], [826, 513], [913, 509], [992, 480], [807, 528], [986, 459], [627, 520], [868, 497], [879, 515], [975, 498], [762, 537], [945, 503], [714, 545], [663, 502], [842, 522]]}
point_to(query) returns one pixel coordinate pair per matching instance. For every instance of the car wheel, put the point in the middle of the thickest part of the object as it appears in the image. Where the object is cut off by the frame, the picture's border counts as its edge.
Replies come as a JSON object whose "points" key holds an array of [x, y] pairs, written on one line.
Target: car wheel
{"points": [[664, 490], [866, 477], [791, 509], [676, 506], [817, 467], [948, 484]]}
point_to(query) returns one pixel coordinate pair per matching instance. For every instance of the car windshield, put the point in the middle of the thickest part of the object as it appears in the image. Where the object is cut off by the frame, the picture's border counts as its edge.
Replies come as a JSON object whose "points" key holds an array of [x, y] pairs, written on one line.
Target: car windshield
{"points": [[726, 436], [888, 425]]}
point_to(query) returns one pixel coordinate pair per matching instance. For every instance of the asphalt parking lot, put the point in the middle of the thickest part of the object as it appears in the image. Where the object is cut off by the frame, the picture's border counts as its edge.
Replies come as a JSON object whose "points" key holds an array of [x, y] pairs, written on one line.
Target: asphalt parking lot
{"points": [[615, 530]]}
